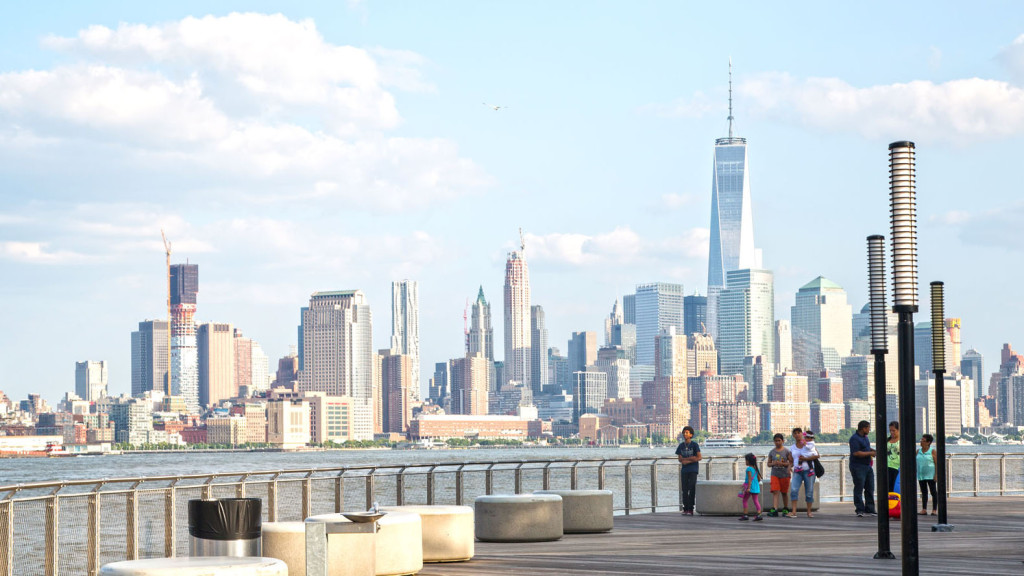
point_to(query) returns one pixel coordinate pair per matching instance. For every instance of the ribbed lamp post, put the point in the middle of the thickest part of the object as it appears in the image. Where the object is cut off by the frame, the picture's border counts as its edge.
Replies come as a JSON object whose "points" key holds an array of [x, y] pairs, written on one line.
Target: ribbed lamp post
{"points": [[939, 369], [903, 219], [879, 348]]}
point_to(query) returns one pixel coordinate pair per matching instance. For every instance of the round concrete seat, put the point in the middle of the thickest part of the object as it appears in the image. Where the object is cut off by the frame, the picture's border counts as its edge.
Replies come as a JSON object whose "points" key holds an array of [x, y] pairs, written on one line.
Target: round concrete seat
{"points": [[447, 531], [200, 566], [348, 554], [518, 518], [584, 511], [399, 544], [719, 497], [286, 541]]}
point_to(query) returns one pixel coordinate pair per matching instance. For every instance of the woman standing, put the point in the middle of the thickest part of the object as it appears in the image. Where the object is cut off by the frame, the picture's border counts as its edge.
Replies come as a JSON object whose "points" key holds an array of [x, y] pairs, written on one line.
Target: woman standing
{"points": [[892, 448], [926, 473], [803, 472]]}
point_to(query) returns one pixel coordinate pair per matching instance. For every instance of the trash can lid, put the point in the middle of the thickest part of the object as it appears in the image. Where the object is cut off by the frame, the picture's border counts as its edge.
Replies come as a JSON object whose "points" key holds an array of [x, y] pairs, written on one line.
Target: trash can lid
{"points": [[225, 518]]}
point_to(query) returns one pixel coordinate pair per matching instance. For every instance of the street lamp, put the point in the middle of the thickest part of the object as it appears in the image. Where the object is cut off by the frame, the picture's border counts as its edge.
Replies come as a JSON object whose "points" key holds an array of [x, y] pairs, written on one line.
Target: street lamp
{"points": [[903, 217], [939, 369], [879, 348]]}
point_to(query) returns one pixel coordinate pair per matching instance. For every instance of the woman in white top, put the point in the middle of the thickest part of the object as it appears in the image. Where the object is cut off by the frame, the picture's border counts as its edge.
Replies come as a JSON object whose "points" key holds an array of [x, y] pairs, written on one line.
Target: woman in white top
{"points": [[803, 471]]}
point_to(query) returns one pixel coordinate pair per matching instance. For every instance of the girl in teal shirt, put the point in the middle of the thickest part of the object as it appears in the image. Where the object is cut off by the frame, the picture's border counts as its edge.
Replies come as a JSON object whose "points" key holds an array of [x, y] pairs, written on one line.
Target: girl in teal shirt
{"points": [[752, 487], [926, 473]]}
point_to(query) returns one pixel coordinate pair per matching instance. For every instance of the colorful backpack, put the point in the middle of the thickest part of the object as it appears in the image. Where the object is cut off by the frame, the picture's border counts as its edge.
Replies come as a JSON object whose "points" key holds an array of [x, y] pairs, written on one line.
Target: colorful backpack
{"points": [[894, 505]]}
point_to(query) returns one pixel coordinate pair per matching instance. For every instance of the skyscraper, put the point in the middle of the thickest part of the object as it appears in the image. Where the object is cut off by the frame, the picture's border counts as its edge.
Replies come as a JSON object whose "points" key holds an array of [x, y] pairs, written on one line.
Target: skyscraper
{"points": [[923, 346], [952, 349], [629, 309], [405, 328], [659, 306], [338, 350], [184, 353], [822, 323], [582, 351], [216, 348], [783, 345], [243, 362], [615, 318], [91, 380], [149, 357], [972, 366], [747, 319], [396, 394], [732, 221], [480, 339], [695, 314], [538, 350], [517, 319]]}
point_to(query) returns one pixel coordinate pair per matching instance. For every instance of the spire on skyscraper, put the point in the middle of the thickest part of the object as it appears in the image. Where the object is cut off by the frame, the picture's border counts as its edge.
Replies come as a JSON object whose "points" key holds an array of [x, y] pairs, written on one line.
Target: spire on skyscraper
{"points": [[730, 97]]}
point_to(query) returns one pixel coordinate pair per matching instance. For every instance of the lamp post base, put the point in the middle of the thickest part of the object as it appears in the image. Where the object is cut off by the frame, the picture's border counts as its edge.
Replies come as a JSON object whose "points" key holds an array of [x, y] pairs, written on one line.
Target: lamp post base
{"points": [[942, 527], [884, 556]]}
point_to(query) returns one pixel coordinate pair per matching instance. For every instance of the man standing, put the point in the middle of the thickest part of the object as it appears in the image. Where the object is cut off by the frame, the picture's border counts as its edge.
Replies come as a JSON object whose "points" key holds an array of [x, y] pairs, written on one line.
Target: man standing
{"points": [[860, 468], [689, 456]]}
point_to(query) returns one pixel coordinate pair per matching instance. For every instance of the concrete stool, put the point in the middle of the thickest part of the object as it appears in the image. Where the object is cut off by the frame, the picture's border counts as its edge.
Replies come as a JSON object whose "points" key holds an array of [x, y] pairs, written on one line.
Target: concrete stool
{"points": [[584, 511], [399, 544], [286, 541], [348, 554], [719, 497], [519, 518], [200, 566], [447, 531]]}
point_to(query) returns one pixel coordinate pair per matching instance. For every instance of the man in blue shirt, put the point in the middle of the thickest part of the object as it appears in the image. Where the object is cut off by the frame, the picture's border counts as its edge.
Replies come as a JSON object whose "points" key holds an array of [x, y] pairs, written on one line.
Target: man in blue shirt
{"points": [[860, 468], [689, 455]]}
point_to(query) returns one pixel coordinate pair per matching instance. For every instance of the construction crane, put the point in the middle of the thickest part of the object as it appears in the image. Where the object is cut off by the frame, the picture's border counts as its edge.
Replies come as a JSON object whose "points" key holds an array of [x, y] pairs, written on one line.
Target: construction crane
{"points": [[522, 242], [167, 251]]}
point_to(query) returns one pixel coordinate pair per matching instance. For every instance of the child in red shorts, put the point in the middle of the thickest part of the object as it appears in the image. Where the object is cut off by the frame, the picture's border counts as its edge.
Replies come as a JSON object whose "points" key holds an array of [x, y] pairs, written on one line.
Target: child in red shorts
{"points": [[780, 461]]}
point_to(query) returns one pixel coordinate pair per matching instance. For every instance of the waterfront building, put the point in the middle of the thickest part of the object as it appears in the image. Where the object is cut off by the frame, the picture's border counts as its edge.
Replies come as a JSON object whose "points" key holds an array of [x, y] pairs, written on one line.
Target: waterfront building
{"points": [[255, 414], [149, 357], [132, 419], [629, 309], [828, 417], [612, 360], [742, 418], [972, 366], [590, 392], [639, 375], [822, 328], [337, 345], [707, 388], [659, 306], [783, 346], [216, 348], [91, 380], [335, 418], [701, 355], [731, 245], [582, 351], [782, 417], [226, 430], [538, 350], [243, 362], [789, 387], [397, 382], [670, 353], [517, 319], [828, 388], [405, 328], [483, 427], [669, 397], [555, 407], [468, 378], [746, 319], [858, 410], [695, 314], [512, 398], [184, 287], [288, 423]]}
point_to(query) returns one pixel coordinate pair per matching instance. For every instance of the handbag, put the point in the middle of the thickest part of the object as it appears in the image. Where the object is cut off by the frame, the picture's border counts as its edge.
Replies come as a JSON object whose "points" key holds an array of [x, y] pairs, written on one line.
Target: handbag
{"points": [[744, 490], [819, 469]]}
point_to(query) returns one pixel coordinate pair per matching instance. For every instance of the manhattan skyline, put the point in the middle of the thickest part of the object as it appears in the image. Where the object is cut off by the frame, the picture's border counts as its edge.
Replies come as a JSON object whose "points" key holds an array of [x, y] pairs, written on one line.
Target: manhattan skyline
{"points": [[378, 163]]}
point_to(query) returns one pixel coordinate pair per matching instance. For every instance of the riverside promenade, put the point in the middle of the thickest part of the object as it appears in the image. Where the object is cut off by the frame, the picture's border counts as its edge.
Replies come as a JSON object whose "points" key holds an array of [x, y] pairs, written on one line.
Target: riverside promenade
{"points": [[989, 539]]}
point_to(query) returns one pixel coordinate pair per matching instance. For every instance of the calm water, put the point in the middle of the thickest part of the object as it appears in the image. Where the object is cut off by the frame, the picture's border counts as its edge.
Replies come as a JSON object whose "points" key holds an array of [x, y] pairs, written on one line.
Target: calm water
{"points": [[23, 470]]}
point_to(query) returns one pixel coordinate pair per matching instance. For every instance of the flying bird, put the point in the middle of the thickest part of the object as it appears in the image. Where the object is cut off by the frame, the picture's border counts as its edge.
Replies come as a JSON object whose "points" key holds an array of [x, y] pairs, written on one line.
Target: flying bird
{"points": [[494, 107]]}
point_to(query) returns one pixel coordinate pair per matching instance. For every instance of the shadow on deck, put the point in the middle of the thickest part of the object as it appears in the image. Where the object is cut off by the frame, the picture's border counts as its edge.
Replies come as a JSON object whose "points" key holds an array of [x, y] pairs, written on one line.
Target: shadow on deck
{"points": [[989, 539]]}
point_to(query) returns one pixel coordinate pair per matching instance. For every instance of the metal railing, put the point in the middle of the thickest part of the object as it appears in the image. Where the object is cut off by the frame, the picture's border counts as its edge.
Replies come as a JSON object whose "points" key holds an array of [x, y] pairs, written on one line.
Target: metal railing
{"points": [[75, 527]]}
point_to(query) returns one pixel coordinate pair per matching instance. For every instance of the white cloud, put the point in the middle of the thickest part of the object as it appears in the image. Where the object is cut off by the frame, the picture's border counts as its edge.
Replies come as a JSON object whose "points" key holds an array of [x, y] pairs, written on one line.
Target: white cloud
{"points": [[37, 253], [260, 104], [676, 201], [1012, 58], [697, 106], [621, 246]]}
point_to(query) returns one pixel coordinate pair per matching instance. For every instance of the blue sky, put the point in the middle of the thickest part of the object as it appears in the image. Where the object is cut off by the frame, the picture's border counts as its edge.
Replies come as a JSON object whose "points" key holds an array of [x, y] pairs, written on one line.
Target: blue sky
{"points": [[326, 146]]}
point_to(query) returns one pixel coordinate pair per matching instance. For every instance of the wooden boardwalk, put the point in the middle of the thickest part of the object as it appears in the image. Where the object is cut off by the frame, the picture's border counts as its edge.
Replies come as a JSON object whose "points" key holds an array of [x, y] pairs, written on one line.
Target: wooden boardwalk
{"points": [[989, 539]]}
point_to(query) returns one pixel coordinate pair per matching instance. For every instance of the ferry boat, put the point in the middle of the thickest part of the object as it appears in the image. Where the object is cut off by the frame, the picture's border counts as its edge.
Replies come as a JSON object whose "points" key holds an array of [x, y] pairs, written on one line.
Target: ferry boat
{"points": [[735, 441]]}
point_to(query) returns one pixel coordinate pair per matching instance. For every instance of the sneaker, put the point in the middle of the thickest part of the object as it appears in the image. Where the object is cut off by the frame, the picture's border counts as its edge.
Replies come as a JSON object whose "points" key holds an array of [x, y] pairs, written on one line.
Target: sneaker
{"points": [[873, 513], [773, 513], [744, 518], [860, 514], [758, 518], [785, 511]]}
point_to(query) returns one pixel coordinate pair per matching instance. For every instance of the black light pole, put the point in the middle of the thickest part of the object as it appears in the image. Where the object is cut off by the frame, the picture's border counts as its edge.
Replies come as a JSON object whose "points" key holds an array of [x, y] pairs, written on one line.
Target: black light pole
{"points": [[939, 369], [903, 211], [879, 348]]}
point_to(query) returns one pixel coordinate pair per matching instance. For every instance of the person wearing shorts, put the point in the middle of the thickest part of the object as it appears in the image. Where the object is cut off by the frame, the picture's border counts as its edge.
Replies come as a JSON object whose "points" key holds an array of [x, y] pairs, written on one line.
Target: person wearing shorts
{"points": [[780, 461]]}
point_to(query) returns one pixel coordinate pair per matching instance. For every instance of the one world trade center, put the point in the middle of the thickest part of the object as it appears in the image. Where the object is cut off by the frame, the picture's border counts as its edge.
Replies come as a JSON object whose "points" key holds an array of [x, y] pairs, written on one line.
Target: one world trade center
{"points": [[732, 222]]}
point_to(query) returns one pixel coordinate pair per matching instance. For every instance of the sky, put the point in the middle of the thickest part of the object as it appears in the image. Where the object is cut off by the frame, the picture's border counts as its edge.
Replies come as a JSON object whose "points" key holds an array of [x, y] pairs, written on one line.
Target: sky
{"points": [[293, 148]]}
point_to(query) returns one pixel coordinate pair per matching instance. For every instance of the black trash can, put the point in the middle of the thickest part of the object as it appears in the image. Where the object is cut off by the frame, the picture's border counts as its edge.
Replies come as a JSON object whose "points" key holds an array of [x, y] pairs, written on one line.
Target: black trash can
{"points": [[225, 527]]}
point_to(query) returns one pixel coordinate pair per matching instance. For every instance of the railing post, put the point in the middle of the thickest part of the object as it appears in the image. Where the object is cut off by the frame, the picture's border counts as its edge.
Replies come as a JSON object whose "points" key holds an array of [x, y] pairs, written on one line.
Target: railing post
{"points": [[547, 477], [679, 484], [458, 486], [307, 495], [600, 476], [489, 480], [654, 486], [208, 489], [842, 481], [52, 525], [399, 487], [573, 475], [949, 475], [430, 486], [272, 498], [735, 469], [339, 493], [240, 487], [7, 536], [519, 478], [170, 520], [707, 468], [628, 485], [93, 533], [368, 490], [1002, 475], [977, 475], [132, 523]]}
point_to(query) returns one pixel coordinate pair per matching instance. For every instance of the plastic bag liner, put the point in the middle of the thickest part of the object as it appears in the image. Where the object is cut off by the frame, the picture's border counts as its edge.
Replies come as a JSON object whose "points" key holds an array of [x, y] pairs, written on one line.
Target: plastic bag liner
{"points": [[225, 518]]}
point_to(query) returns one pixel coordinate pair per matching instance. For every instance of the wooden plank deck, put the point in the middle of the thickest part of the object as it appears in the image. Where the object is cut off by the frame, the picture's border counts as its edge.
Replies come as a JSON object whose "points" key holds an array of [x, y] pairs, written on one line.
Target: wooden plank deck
{"points": [[989, 539]]}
